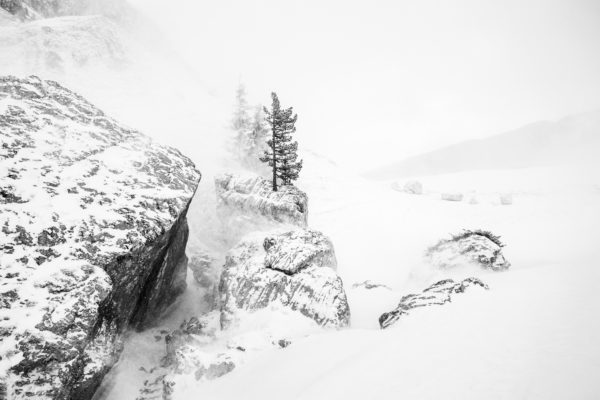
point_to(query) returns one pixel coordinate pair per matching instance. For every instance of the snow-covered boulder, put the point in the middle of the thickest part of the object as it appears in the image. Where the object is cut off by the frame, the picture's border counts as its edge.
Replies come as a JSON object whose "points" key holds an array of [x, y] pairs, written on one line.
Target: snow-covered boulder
{"points": [[252, 197], [93, 221], [506, 199], [296, 269], [413, 187], [452, 196], [437, 294], [410, 187], [477, 247]]}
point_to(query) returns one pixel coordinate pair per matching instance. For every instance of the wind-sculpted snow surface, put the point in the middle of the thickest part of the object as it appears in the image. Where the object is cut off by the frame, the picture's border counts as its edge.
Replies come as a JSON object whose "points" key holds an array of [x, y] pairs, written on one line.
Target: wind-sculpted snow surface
{"points": [[439, 293], [470, 247], [239, 197], [296, 269], [93, 237]]}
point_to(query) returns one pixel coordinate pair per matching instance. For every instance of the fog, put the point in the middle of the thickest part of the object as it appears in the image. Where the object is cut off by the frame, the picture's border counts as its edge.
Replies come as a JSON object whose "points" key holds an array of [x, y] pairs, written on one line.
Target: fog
{"points": [[373, 83], [376, 81]]}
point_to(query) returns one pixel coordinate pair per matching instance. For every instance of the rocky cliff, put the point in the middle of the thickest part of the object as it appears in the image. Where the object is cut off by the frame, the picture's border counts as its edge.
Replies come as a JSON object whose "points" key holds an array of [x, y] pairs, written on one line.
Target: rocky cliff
{"points": [[93, 220], [251, 197]]}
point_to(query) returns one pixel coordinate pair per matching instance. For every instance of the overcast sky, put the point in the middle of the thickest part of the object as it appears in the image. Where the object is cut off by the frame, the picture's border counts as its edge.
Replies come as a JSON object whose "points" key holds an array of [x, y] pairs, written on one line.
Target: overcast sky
{"points": [[381, 80]]}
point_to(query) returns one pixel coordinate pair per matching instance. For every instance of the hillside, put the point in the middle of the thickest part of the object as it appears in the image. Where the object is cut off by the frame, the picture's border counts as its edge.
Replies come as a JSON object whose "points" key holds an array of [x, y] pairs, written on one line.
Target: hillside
{"points": [[566, 141]]}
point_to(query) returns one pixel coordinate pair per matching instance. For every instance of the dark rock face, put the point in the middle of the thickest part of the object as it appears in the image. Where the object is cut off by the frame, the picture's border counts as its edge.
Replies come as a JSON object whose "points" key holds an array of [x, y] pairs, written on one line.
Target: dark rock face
{"points": [[297, 269], [93, 237], [469, 247], [253, 197], [439, 293]]}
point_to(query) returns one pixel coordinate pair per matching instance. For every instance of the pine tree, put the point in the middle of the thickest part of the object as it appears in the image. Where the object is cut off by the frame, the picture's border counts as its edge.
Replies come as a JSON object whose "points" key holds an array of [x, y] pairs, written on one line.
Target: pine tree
{"points": [[241, 124], [281, 154]]}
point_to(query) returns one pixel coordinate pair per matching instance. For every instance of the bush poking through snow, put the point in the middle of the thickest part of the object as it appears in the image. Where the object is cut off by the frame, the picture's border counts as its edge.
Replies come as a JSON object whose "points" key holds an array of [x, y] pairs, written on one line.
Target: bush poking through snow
{"points": [[477, 247]]}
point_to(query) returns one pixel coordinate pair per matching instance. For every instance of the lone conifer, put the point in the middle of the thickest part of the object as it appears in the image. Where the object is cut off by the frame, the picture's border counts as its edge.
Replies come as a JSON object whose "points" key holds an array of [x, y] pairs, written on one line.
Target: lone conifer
{"points": [[282, 154]]}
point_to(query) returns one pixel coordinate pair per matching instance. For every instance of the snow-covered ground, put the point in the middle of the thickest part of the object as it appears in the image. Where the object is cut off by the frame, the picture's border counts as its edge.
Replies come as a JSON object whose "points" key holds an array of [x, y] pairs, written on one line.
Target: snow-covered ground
{"points": [[532, 335]]}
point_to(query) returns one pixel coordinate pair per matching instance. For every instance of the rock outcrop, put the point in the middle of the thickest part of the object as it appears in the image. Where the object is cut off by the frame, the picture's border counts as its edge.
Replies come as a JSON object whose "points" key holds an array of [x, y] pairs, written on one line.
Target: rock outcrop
{"points": [[470, 247], [296, 268], [93, 220], [253, 197], [439, 293], [36, 9]]}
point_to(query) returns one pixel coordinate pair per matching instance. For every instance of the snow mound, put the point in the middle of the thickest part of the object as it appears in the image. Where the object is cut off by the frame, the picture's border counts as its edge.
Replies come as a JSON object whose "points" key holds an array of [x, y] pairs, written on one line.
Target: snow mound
{"points": [[439, 293], [506, 199], [452, 196], [93, 237], [477, 247], [410, 187], [305, 279], [251, 197]]}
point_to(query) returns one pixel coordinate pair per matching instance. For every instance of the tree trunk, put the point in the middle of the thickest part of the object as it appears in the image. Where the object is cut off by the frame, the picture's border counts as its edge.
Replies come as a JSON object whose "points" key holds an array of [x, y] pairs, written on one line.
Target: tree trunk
{"points": [[274, 158]]}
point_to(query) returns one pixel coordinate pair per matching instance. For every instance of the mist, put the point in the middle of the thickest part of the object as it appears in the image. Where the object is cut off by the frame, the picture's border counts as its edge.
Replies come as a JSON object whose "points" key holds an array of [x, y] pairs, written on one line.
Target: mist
{"points": [[374, 83], [496, 104]]}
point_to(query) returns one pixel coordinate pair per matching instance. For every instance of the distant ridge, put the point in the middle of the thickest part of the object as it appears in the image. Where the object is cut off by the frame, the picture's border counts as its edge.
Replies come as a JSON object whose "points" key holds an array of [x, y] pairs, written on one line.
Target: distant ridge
{"points": [[571, 139]]}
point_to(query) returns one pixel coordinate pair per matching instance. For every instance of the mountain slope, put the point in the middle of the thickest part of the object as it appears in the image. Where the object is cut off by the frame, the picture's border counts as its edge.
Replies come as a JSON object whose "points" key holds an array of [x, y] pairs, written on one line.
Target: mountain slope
{"points": [[571, 139]]}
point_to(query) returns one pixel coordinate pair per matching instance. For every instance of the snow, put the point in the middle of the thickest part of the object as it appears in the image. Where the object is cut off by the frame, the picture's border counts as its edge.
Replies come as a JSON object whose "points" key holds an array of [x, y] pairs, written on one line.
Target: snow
{"points": [[532, 335]]}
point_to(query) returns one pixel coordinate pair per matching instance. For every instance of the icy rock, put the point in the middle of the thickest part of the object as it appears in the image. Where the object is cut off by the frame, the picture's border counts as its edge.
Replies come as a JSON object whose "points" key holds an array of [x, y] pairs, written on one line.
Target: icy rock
{"points": [[506, 199], [452, 196], [439, 293], [93, 221], [296, 268], [253, 196], [470, 247]]}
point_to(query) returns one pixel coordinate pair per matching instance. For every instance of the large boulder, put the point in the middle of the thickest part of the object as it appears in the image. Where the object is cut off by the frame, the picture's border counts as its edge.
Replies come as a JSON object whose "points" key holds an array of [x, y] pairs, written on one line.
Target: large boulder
{"points": [[93, 220], [296, 269], [439, 294], [477, 247], [252, 197]]}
